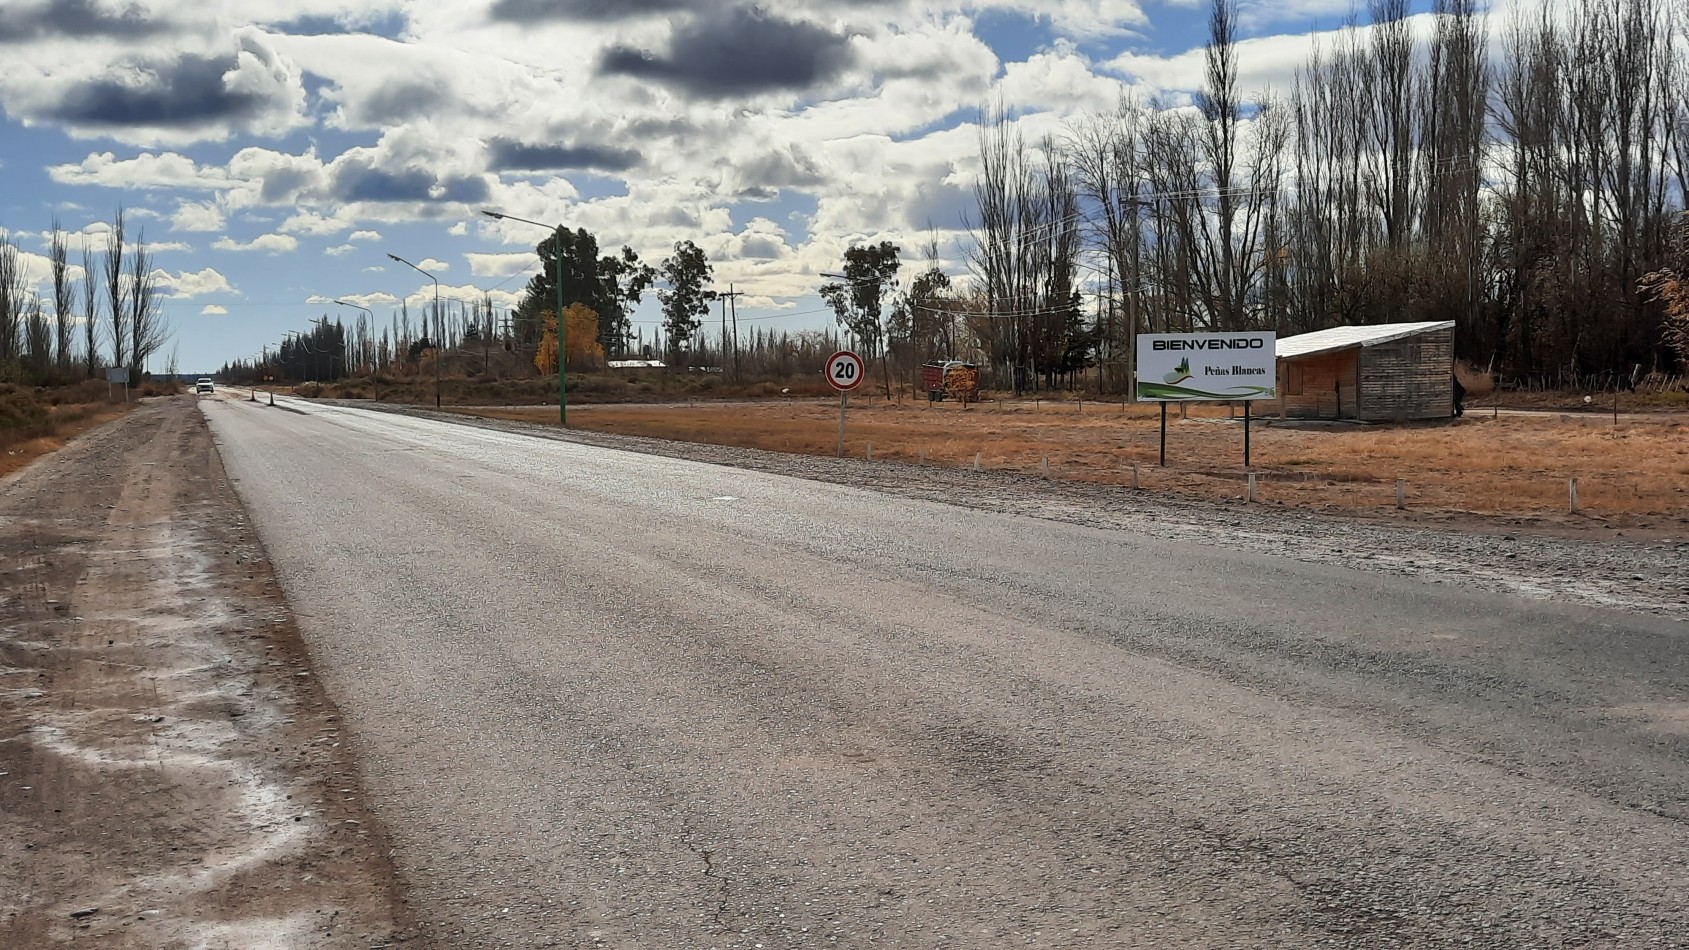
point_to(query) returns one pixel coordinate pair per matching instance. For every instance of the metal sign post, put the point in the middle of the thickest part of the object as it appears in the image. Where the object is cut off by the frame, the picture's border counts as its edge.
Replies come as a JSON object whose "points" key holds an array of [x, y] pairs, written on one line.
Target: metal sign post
{"points": [[1163, 434], [845, 371], [1246, 435], [117, 374]]}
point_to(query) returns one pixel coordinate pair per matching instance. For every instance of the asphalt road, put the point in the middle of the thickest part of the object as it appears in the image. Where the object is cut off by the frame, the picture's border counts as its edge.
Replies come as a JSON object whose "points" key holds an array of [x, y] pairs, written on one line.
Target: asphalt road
{"points": [[610, 699]]}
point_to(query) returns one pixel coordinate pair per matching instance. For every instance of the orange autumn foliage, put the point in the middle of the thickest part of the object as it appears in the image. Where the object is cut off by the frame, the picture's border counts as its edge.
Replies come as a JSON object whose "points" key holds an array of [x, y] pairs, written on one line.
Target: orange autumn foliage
{"points": [[581, 324]]}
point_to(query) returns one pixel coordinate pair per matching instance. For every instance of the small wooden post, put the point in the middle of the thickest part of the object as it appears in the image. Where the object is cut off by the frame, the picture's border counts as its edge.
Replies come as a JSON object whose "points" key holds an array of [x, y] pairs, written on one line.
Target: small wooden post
{"points": [[1136, 482], [870, 451], [1574, 496], [1401, 493], [1045, 467], [976, 461], [923, 455], [1252, 488]]}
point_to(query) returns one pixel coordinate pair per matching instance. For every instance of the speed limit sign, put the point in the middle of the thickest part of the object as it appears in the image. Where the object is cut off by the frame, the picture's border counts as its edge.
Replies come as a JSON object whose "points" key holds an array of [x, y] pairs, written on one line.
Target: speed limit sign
{"points": [[844, 370]]}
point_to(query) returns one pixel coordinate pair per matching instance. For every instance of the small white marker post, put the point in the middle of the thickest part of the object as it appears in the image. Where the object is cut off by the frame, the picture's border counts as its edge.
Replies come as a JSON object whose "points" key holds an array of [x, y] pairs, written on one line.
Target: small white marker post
{"points": [[976, 461], [923, 455], [1045, 468], [845, 372], [1252, 488], [1401, 493], [1574, 496], [870, 455], [1135, 481]]}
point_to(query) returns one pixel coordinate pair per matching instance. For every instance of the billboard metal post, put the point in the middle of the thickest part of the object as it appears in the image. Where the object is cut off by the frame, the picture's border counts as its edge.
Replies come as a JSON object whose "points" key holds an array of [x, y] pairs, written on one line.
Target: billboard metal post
{"points": [[1164, 434], [1246, 435]]}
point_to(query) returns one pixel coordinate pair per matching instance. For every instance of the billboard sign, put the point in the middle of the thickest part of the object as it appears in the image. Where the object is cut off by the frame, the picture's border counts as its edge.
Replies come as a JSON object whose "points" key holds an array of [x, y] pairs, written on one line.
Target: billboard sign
{"points": [[1206, 367], [117, 374]]}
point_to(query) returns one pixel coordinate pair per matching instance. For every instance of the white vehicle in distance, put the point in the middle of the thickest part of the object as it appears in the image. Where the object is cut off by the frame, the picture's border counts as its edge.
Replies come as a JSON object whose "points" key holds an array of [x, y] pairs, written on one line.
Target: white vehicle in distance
{"points": [[203, 386]]}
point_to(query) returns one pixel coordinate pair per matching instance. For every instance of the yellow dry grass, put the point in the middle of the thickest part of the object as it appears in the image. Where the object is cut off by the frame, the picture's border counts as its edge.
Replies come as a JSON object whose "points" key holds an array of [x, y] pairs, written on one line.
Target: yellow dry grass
{"points": [[65, 423], [1518, 464]]}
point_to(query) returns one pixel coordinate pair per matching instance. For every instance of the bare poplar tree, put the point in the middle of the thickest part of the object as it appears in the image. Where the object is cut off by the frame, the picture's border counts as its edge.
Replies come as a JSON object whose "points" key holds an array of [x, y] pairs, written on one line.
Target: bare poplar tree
{"points": [[1391, 78], [90, 312], [14, 293], [116, 298], [1106, 152], [147, 327], [1222, 115], [37, 339], [58, 257]]}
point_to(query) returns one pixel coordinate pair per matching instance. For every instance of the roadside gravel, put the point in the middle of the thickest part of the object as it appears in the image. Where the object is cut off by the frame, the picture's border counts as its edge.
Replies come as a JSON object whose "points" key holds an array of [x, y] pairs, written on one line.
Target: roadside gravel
{"points": [[1643, 576], [171, 773]]}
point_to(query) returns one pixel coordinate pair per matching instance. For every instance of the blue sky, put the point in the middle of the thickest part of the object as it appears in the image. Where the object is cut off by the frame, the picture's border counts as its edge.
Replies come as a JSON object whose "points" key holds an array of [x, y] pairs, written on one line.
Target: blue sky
{"points": [[275, 152]]}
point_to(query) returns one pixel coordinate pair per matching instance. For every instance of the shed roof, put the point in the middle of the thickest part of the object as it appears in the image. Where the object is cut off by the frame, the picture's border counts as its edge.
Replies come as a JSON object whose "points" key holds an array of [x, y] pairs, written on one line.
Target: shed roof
{"points": [[1343, 338]]}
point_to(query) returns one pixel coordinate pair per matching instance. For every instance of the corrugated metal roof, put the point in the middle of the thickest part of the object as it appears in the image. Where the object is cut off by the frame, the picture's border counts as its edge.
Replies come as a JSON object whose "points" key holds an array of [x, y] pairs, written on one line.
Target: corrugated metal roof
{"points": [[1343, 338]]}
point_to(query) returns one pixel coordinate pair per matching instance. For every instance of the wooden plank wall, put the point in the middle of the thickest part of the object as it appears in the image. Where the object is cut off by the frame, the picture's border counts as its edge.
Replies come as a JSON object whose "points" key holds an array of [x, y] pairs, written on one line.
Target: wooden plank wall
{"points": [[1408, 379], [1309, 388]]}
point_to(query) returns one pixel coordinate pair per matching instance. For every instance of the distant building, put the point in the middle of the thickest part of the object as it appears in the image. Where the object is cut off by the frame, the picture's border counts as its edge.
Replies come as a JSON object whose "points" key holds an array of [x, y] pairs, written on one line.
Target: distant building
{"points": [[1382, 373]]}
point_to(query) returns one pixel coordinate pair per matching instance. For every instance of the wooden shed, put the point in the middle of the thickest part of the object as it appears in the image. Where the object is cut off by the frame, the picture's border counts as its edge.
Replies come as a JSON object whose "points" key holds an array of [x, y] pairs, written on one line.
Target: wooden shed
{"points": [[1382, 373]]}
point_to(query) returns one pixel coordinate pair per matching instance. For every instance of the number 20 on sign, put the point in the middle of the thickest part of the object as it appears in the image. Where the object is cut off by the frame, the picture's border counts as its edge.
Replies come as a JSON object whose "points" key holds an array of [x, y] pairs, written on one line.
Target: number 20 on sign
{"points": [[845, 371]]}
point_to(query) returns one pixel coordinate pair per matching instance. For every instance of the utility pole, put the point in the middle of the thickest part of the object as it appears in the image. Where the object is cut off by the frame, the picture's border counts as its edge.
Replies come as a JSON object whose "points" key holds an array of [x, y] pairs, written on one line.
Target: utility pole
{"points": [[730, 299], [723, 302]]}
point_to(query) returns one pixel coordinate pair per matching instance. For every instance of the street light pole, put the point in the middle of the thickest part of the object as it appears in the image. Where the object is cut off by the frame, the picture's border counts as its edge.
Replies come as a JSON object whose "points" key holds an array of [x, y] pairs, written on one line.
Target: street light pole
{"points": [[562, 332], [439, 325], [343, 303]]}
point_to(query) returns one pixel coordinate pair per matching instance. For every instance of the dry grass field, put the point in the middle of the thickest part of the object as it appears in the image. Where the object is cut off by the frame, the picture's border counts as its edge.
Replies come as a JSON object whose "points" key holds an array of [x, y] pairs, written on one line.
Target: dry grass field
{"points": [[1635, 474], [34, 423]]}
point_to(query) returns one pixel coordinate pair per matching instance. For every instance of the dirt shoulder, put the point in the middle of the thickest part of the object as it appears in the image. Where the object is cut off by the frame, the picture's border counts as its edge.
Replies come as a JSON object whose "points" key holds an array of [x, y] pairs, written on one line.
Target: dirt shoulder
{"points": [[171, 774]]}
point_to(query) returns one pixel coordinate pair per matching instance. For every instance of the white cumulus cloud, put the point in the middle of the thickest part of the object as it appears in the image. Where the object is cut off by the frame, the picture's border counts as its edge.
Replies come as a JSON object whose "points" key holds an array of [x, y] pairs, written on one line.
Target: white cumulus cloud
{"points": [[198, 216], [268, 243], [184, 284]]}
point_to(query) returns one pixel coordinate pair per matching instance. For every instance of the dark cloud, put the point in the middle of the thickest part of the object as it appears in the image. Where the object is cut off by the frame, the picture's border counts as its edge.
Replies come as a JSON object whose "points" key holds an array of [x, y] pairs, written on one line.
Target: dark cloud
{"points": [[397, 102], [939, 205], [358, 180], [761, 247], [510, 155], [389, 23], [782, 169], [187, 92], [741, 51], [282, 184], [471, 189], [361, 181], [75, 18], [535, 11]]}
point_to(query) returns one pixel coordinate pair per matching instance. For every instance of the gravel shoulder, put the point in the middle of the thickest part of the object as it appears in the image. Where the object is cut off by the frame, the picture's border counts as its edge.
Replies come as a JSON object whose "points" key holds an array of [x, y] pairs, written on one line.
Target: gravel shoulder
{"points": [[1649, 577], [171, 773]]}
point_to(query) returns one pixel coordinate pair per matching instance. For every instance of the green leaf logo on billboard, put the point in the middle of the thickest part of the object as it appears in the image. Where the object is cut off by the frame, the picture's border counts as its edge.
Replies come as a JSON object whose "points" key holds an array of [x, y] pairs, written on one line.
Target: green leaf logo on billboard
{"points": [[1180, 373]]}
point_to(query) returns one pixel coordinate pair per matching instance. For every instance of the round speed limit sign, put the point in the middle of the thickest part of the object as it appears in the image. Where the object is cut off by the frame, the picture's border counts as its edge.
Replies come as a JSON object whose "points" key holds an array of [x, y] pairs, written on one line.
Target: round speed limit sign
{"points": [[845, 370]]}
